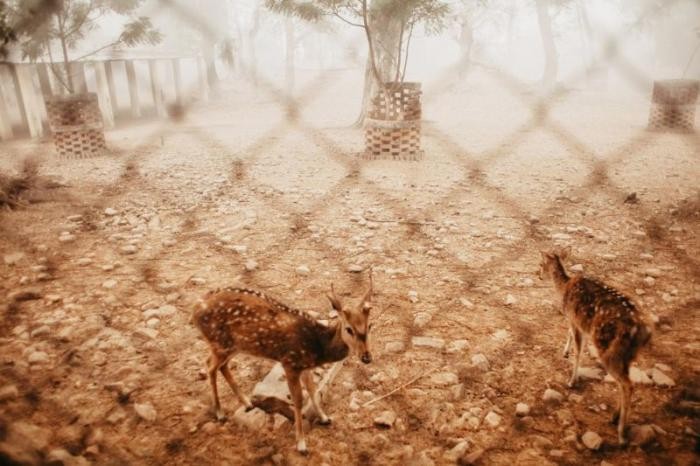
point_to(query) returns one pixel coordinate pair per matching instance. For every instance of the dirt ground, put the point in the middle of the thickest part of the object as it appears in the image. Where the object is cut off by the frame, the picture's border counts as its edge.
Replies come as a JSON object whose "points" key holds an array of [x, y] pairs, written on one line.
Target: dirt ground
{"points": [[107, 369]]}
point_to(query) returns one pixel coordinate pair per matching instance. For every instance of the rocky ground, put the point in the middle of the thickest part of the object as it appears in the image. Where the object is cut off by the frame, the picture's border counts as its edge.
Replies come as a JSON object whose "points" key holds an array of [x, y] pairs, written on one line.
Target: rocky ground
{"points": [[100, 364]]}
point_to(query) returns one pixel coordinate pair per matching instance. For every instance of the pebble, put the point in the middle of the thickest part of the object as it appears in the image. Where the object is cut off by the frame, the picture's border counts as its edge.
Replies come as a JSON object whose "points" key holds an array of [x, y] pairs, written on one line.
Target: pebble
{"points": [[522, 409], [639, 376], [641, 435], [110, 212], [355, 268], [428, 342], [255, 419], [128, 249], [473, 457], [480, 361], [109, 284], [13, 258], [661, 379], [394, 347], [457, 452], [466, 303], [653, 272], [422, 319], [251, 265], [83, 261], [551, 395], [8, 392], [649, 281], [145, 411], [67, 238], [146, 333], [591, 440], [493, 419], [43, 330], [239, 248], [443, 379], [61, 456], [457, 346], [510, 300], [578, 268], [37, 357], [385, 419], [413, 296], [303, 270]]}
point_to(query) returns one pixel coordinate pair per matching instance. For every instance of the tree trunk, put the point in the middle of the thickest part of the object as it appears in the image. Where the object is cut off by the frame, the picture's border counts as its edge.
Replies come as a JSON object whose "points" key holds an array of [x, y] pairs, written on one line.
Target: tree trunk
{"points": [[289, 65], [252, 35], [64, 49], [370, 88], [466, 43], [551, 63], [209, 55]]}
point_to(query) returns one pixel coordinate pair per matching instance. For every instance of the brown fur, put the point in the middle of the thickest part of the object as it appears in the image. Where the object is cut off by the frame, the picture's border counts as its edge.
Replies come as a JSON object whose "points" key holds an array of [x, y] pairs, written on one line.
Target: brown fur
{"points": [[611, 321], [241, 320]]}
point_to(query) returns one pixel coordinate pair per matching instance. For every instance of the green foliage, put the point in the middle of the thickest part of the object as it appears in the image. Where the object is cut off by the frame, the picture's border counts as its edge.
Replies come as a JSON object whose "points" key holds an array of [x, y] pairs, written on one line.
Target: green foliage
{"points": [[140, 31]]}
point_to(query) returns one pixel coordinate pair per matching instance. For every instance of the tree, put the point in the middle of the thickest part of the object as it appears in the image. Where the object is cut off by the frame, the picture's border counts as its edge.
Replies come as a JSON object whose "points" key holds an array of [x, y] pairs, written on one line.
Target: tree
{"points": [[470, 16], [388, 26], [547, 10], [67, 23]]}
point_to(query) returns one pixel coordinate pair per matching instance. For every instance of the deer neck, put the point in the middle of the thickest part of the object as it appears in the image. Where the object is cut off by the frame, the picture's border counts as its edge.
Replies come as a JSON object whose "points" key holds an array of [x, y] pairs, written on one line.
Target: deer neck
{"points": [[560, 277], [335, 348]]}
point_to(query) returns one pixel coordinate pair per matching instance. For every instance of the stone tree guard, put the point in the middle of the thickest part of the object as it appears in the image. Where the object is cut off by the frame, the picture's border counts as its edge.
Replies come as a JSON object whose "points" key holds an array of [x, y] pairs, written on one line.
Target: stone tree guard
{"points": [[393, 123], [673, 105], [76, 123]]}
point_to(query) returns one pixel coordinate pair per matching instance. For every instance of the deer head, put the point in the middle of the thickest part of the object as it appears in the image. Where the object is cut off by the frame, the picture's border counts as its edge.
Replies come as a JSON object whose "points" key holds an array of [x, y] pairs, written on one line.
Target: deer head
{"points": [[354, 322], [551, 262]]}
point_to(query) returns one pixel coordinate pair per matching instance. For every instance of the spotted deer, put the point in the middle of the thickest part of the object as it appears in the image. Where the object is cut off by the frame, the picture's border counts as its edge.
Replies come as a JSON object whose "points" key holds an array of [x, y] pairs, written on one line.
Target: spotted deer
{"points": [[237, 320], [611, 321]]}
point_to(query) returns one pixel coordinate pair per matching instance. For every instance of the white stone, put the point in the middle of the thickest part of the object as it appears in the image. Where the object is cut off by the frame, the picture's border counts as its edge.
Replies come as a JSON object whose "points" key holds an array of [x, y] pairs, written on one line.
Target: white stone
{"points": [[653, 272], [522, 409], [428, 342], [146, 333], [551, 395], [109, 284], [510, 300], [37, 357], [251, 265], [303, 270], [466, 303], [457, 452], [13, 258], [110, 212], [480, 361], [661, 379], [43, 330], [8, 392], [578, 268], [239, 248], [385, 419], [443, 379], [493, 419], [592, 440], [394, 347], [355, 268], [413, 296], [66, 238], [128, 249], [145, 411], [639, 376], [422, 319], [457, 346]]}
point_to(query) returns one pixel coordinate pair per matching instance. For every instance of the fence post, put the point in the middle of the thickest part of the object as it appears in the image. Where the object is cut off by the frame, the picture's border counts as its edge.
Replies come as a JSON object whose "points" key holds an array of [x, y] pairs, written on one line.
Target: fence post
{"points": [[203, 81], [103, 96], [77, 71], [133, 88], [5, 120], [30, 99], [110, 83], [177, 75], [156, 87]]}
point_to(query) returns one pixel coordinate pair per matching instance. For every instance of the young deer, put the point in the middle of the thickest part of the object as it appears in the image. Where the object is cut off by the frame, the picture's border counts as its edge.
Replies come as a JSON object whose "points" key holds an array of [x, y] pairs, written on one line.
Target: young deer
{"points": [[608, 318], [239, 320]]}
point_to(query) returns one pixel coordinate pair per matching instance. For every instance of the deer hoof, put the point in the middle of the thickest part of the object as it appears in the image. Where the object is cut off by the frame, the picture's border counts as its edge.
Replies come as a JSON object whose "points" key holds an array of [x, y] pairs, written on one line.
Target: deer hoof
{"points": [[301, 447], [221, 417], [325, 421]]}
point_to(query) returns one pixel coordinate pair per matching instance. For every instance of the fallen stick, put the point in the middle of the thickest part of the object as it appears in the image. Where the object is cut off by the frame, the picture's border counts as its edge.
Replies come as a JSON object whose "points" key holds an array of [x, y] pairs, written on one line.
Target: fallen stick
{"points": [[400, 387]]}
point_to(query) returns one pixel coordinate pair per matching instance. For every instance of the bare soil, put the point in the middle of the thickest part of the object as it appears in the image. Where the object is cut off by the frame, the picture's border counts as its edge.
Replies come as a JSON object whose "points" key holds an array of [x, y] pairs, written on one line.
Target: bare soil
{"points": [[462, 228]]}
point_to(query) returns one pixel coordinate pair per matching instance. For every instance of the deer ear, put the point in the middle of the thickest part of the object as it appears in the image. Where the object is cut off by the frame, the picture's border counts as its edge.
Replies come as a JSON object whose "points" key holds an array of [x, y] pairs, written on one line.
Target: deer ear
{"points": [[335, 304]]}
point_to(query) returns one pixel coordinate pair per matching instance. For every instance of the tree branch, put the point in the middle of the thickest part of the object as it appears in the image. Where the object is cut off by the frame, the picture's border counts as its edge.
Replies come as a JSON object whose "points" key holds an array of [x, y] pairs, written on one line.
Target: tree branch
{"points": [[408, 45], [337, 15], [375, 71], [112, 44]]}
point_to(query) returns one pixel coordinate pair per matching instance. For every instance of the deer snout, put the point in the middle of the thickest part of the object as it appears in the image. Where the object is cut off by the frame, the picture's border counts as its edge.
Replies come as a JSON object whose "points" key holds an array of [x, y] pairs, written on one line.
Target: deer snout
{"points": [[366, 357]]}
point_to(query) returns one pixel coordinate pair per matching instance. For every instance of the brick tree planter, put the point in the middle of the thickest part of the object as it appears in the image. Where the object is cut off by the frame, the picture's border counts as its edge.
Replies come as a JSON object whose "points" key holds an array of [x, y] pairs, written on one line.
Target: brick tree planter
{"points": [[393, 125], [76, 124], [673, 105]]}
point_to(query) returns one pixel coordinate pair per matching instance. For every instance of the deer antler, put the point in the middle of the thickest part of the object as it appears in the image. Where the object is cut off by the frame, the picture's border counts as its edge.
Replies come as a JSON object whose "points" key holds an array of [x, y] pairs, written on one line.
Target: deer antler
{"points": [[366, 300]]}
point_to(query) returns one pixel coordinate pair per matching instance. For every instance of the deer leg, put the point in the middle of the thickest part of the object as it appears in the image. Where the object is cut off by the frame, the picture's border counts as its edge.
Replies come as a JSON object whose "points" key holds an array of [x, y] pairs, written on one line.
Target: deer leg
{"points": [[297, 399], [213, 363], [226, 372], [308, 378], [567, 346], [578, 342], [625, 387]]}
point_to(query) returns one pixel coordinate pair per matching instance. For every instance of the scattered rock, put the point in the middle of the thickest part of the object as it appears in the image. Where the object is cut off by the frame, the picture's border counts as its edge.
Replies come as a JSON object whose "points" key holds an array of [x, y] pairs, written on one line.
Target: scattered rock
{"points": [[661, 379], [37, 357], [428, 342], [110, 212], [457, 346], [64, 458], [146, 333], [394, 347], [355, 268], [480, 361], [109, 284], [385, 419], [8, 392], [145, 411], [303, 270], [457, 452], [639, 376], [422, 319], [493, 419], [466, 303], [591, 440], [128, 249], [592, 373], [578, 268], [251, 265], [552, 396], [13, 258], [510, 300], [641, 435], [413, 296], [472, 457], [443, 379], [522, 409]]}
